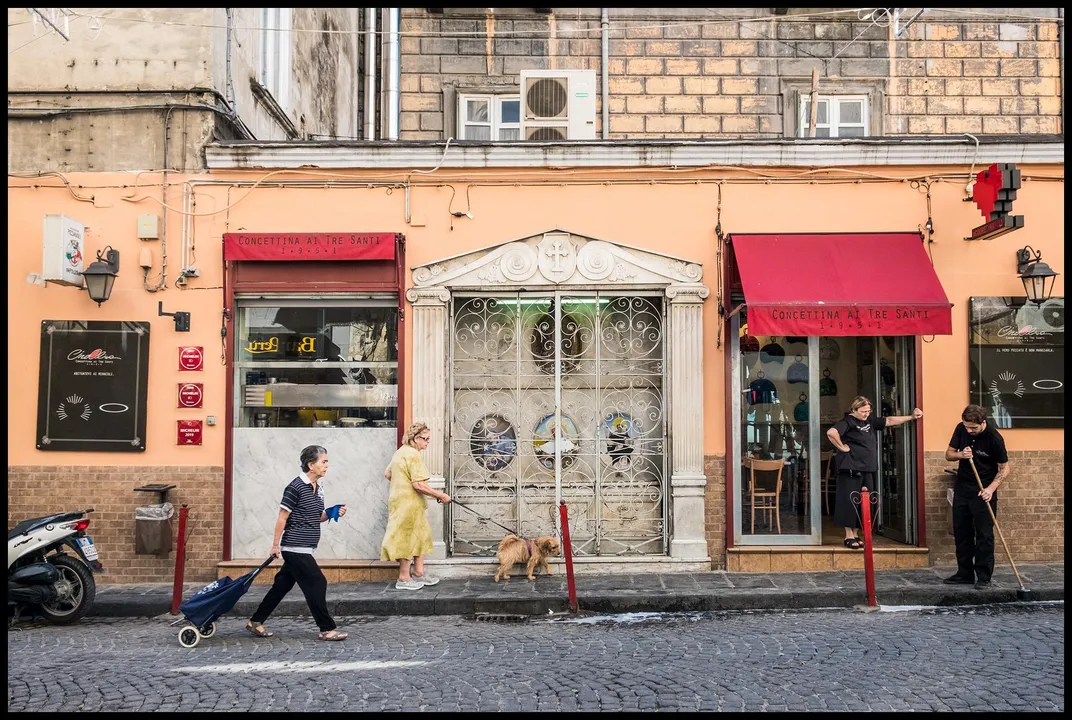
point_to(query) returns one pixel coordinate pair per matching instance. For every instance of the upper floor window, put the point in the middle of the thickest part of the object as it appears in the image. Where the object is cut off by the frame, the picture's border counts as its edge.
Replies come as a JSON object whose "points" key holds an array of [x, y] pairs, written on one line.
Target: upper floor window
{"points": [[274, 71], [489, 117], [835, 116]]}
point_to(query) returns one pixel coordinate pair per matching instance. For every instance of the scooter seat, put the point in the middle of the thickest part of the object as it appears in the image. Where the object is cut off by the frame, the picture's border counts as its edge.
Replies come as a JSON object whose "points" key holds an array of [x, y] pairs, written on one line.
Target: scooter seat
{"points": [[28, 525]]}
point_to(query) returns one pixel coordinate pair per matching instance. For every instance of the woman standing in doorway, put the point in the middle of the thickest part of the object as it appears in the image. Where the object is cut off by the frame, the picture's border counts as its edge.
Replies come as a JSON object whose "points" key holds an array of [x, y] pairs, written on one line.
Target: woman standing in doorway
{"points": [[409, 536], [297, 533], [855, 437]]}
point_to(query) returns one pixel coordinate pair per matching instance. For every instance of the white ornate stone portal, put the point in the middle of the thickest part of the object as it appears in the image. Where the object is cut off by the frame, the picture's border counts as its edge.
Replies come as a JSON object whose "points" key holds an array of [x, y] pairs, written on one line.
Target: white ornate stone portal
{"points": [[559, 261]]}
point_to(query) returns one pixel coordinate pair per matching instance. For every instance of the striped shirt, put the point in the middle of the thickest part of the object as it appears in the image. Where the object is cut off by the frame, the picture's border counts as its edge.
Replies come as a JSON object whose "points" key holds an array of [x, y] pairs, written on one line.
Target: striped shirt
{"points": [[302, 531]]}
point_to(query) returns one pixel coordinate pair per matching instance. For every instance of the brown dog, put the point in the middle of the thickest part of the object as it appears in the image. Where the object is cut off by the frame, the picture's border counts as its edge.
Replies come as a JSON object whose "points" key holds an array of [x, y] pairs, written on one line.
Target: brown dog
{"points": [[513, 549]]}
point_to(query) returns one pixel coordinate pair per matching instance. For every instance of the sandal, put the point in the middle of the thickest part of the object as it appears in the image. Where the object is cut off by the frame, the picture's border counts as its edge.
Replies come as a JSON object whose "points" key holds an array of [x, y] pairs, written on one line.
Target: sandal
{"points": [[258, 630], [853, 543], [331, 635]]}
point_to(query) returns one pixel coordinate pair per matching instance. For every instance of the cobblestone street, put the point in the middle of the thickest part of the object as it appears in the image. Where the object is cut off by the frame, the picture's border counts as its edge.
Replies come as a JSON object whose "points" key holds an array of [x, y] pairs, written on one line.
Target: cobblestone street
{"points": [[984, 658]]}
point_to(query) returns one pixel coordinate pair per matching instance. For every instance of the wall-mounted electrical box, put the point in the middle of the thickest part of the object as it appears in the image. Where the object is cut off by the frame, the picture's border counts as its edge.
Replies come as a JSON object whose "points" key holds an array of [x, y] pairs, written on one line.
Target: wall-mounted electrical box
{"points": [[149, 227]]}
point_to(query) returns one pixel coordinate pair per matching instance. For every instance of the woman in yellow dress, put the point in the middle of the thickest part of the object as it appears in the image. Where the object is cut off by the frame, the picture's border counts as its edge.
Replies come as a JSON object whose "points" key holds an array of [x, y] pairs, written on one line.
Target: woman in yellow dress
{"points": [[409, 536]]}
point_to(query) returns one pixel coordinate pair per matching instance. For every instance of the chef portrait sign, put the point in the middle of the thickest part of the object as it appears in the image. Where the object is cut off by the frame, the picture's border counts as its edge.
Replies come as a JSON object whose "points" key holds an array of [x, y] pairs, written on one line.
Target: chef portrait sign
{"points": [[92, 386]]}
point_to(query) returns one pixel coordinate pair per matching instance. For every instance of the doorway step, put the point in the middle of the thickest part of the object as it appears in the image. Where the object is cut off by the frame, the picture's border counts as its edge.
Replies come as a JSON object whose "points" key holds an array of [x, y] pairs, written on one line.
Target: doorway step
{"points": [[816, 558]]}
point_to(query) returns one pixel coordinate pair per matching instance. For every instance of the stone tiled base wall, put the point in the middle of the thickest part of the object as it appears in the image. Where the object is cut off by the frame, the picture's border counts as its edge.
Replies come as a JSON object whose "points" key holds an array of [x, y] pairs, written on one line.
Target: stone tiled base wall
{"points": [[1031, 508], [39, 491], [715, 510]]}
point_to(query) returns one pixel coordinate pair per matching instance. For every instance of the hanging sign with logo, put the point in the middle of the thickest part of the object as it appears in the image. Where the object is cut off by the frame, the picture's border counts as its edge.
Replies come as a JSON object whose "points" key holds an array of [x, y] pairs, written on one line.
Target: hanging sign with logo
{"points": [[995, 189], [92, 386], [191, 395], [189, 432], [1016, 357], [309, 246], [191, 357]]}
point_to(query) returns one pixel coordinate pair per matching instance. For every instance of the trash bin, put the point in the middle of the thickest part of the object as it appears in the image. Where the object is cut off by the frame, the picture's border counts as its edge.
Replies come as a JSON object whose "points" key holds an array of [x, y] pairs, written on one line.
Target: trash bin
{"points": [[152, 529]]}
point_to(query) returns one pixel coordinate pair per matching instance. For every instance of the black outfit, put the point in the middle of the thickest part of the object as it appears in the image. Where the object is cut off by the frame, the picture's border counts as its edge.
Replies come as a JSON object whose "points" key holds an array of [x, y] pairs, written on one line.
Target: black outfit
{"points": [[301, 535], [973, 528], [856, 468]]}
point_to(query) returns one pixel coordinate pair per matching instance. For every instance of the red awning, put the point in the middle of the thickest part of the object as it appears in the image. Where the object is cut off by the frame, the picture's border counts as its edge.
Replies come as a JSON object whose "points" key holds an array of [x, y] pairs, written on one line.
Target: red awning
{"points": [[840, 284]]}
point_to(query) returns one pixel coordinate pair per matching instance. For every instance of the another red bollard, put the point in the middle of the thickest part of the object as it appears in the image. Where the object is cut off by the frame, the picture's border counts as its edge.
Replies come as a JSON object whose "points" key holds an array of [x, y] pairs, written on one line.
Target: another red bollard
{"points": [[180, 563], [869, 558], [567, 551]]}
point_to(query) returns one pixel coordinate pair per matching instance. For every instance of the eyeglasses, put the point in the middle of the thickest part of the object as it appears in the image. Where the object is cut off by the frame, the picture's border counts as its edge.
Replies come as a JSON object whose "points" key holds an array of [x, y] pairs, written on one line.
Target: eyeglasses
{"points": [[426, 438]]}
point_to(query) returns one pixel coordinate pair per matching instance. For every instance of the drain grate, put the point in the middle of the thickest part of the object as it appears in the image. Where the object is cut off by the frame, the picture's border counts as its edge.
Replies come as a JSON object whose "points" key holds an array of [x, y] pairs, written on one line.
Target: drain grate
{"points": [[499, 618]]}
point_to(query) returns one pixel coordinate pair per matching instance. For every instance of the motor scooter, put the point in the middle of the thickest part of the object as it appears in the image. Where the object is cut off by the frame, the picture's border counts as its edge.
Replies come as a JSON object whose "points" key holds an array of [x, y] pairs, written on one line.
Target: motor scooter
{"points": [[42, 577]]}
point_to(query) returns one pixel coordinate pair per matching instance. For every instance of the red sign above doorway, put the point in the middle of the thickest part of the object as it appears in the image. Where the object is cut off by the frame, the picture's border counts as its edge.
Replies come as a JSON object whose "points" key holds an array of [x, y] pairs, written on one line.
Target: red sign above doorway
{"points": [[309, 246]]}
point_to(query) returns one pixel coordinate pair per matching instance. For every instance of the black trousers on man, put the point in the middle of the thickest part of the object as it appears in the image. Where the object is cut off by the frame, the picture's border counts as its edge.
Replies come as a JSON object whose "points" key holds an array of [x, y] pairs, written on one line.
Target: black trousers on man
{"points": [[302, 569], [973, 532]]}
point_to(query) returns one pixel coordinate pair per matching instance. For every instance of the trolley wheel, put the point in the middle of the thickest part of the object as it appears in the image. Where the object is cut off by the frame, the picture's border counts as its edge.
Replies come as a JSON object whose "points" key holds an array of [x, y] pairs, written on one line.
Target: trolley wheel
{"points": [[209, 632], [188, 636]]}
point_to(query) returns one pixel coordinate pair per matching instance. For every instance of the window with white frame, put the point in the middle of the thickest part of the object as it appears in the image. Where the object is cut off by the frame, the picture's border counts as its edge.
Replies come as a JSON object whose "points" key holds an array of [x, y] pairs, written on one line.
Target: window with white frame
{"points": [[835, 116], [489, 117], [274, 71]]}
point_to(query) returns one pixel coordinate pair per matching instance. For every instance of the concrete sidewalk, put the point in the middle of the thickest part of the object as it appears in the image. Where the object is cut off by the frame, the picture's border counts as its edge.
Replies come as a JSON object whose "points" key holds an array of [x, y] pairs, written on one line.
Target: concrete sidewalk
{"points": [[668, 592]]}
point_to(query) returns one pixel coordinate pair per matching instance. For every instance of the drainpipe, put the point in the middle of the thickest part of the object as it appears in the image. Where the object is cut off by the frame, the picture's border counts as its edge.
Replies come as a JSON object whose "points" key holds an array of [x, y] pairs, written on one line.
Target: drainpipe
{"points": [[604, 31], [370, 73], [391, 74]]}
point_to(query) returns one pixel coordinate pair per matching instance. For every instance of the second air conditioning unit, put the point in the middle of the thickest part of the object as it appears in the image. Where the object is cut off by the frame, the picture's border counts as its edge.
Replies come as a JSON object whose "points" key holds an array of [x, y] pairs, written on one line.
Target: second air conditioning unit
{"points": [[558, 105]]}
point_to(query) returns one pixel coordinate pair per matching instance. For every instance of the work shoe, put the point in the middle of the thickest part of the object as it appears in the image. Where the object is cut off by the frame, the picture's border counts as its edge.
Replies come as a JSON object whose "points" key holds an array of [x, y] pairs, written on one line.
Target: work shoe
{"points": [[982, 585], [411, 584], [426, 579], [958, 580]]}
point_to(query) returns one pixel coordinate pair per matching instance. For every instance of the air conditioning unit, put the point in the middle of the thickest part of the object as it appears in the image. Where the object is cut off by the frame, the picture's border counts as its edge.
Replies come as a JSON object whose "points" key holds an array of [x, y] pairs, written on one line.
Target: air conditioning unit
{"points": [[558, 105]]}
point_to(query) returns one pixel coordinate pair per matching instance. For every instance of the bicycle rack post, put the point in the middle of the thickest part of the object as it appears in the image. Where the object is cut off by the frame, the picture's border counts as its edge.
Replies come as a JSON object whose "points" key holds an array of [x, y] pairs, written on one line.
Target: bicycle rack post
{"points": [[567, 551], [180, 562], [869, 558]]}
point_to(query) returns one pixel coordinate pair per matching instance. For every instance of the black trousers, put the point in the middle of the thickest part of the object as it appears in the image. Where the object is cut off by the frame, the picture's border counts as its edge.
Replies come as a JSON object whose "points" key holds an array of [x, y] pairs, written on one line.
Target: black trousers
{"points": [[847, 513], [973, 532], [302, 569]]}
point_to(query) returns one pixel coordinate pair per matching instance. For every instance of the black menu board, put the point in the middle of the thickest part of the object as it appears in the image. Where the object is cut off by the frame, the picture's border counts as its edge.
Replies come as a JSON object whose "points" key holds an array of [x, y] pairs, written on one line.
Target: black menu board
{"points": [[92, 385], [1017, 357]]}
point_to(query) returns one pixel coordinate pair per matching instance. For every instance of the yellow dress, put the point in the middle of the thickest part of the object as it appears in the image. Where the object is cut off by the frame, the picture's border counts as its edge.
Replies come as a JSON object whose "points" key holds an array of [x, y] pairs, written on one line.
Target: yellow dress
{"points": [[408, 532]]}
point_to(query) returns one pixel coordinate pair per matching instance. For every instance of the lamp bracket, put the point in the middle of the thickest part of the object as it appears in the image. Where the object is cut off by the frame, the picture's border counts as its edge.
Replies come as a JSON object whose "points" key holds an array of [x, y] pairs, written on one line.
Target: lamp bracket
{"points": [[1024, 259], [182, 319]]}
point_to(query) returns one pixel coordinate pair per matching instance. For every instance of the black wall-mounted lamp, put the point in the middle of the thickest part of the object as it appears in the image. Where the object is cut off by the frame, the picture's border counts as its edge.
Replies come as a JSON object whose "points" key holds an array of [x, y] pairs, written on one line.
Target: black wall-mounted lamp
{"points": [[1034, 273], [100, 275]]}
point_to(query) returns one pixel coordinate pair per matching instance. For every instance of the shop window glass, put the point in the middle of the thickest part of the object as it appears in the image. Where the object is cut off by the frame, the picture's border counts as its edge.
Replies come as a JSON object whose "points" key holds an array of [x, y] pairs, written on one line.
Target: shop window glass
{"points": [[307, 366]]}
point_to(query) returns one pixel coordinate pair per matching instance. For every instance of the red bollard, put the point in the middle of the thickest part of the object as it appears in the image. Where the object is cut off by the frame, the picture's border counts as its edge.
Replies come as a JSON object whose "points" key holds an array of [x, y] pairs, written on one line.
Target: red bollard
{"points": [[180, 563], [869, 558], [567, 551]]}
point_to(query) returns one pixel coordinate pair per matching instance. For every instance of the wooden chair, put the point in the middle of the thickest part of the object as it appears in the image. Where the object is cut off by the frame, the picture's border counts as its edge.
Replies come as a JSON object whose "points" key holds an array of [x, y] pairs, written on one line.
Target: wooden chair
{"points": [[763, 498], [827, 457]]}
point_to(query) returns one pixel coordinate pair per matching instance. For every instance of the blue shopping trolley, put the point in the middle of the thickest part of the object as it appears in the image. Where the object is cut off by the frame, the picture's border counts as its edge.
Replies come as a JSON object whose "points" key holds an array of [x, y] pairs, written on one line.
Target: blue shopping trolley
{"points": [[206, 606]]}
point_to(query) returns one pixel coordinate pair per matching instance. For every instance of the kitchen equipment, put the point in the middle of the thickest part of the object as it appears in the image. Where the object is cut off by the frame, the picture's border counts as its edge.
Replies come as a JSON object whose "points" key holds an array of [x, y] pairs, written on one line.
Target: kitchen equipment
{"points": [[351, 422], [383, 423], [323, 423], [260, 420]]}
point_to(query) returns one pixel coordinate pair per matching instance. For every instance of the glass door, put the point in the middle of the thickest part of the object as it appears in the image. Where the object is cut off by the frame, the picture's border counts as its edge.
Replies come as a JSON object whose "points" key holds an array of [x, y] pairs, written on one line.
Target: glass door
{"points": [[777, 474]]}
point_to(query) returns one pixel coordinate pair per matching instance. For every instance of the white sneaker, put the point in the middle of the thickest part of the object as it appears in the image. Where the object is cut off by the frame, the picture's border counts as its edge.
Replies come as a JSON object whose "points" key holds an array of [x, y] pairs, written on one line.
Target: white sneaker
{"points": [[411, 584], [426, 579]]}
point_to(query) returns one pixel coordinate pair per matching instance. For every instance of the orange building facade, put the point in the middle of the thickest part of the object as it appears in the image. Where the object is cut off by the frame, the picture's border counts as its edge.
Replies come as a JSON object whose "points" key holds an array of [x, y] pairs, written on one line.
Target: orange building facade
{"points": [[576, 325]]}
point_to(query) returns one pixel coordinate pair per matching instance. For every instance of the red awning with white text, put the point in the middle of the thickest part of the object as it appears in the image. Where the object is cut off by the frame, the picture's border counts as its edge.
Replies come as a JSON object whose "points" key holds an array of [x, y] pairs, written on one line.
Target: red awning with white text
{"points": [[840, 284]]}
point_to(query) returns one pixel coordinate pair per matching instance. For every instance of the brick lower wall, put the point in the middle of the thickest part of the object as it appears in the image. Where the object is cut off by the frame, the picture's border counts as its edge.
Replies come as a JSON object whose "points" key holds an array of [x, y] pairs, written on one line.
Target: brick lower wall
{"points": [[715, 510], [39, 491], [1031, 508]]}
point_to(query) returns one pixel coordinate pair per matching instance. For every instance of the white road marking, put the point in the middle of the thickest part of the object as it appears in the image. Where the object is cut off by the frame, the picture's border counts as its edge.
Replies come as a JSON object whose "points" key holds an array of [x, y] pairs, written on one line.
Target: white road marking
{"points": [[296, 666]]}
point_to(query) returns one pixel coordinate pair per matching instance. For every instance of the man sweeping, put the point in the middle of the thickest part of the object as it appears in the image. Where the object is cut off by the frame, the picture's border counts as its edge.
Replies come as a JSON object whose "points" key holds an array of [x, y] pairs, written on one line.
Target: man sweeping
{"points": [[975, 440]]}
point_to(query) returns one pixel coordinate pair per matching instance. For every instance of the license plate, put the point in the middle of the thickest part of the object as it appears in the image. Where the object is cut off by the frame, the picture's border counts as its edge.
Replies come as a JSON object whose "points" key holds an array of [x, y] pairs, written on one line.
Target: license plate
{"points": [[88, 548]]}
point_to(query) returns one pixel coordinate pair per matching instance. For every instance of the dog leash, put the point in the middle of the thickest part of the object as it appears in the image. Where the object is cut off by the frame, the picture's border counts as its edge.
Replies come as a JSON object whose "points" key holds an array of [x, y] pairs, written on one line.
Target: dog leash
{"points": [[478, 515]]}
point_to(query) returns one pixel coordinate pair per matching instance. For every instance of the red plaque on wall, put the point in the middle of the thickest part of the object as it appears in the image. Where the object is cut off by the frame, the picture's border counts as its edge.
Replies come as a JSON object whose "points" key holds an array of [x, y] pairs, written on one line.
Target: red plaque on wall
{"points": [[191, 357], [191, 395], [189, 432]]}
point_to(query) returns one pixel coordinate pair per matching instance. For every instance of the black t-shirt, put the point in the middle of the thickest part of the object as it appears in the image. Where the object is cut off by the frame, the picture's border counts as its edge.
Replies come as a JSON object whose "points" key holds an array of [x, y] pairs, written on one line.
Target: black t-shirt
{"points": [[988, 450], [862, 439]]}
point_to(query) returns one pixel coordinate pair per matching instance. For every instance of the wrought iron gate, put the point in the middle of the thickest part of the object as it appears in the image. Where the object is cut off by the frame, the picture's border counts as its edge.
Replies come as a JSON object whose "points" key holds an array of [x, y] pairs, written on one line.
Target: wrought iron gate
{"points": [[608, 372]]}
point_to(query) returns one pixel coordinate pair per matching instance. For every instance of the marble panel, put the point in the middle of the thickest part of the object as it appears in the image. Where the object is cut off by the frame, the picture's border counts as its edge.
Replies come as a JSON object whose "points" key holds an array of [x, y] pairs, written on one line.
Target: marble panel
{"points": [[266, 459]]}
